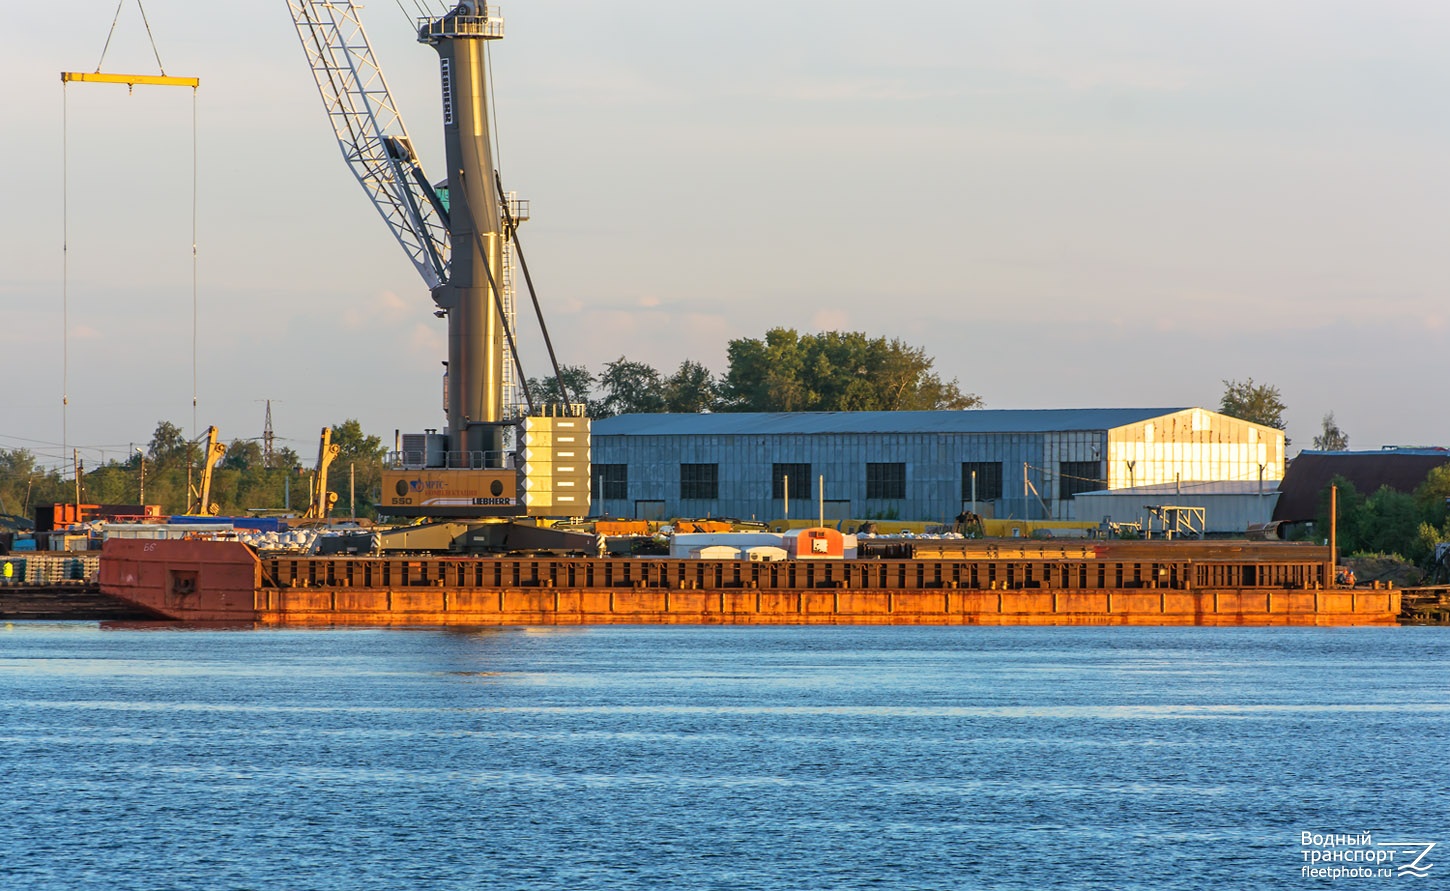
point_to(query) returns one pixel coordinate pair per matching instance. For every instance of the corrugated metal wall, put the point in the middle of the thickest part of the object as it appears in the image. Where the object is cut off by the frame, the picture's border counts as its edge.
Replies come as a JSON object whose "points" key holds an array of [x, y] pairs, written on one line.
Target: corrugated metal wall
{"points": [[933, 470], [1206, 447], [1193, 445], [1223, 514]]}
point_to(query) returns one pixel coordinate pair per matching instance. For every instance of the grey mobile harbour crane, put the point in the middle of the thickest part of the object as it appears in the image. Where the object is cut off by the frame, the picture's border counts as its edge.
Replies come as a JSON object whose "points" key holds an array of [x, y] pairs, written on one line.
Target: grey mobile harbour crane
{"points": [[495, 461]]}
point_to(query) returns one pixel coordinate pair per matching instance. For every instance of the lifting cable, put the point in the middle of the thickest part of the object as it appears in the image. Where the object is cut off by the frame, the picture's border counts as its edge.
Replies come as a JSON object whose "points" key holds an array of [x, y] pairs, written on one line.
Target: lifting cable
{"points": [[493, 110], [513, 232], [420, 11], [503, 203], [116, 18], [497, 294], [404, 11], [130, 80]]}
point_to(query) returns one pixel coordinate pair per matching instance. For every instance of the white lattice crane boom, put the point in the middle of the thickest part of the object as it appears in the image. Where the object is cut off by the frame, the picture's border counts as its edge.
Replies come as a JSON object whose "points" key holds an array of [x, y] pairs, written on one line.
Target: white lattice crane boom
{"points": [[370, 132]]}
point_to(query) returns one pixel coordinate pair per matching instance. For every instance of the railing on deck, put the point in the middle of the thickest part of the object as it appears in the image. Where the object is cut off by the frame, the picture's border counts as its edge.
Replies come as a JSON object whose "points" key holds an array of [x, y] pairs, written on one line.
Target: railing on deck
{"points": [[488, 26], [792, 575]]}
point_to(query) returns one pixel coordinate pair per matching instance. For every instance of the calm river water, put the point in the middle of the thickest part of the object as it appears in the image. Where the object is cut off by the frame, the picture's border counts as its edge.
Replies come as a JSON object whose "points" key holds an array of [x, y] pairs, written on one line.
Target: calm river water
{"points": [[717, 758]]}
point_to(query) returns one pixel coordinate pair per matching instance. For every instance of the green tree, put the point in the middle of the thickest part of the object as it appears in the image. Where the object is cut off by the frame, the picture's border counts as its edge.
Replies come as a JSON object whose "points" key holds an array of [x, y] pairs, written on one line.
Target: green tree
{"points": [[691, 389], [16, 463], [24, 484], [354, 445], [1352, 515], [1402, 524], [577, 380], [835, 371], [1434, 492], [766, 375], [629, 388], [1257, 403], [286, 458], [1331, 438], [242, 454], [167, 457], [168, 445], [359, 464], [113, 482], [1392, 525], [1433, 497]]}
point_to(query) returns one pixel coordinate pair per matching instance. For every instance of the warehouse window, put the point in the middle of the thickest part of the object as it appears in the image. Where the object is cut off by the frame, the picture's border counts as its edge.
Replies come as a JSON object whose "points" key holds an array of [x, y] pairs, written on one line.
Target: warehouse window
{"points": [[885, 480], [701, 481], [611, 481], [649, 509], [800, 480], [989, 480], [1079, 476]]}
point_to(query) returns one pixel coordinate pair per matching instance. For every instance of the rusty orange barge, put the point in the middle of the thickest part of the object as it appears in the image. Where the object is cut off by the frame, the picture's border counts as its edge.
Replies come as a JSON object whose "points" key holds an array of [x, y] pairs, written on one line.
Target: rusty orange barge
{"points": [[960, 583]]}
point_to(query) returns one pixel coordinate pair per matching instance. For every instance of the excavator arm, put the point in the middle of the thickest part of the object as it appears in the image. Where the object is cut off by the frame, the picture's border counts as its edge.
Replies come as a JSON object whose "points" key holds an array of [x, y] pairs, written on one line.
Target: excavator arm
{"points": [[320, 501], [202, 505]]}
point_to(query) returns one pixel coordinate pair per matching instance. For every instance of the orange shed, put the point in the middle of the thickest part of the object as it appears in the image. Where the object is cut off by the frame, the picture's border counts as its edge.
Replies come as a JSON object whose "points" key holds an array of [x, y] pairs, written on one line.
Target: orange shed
{"points": [[815, 543]]}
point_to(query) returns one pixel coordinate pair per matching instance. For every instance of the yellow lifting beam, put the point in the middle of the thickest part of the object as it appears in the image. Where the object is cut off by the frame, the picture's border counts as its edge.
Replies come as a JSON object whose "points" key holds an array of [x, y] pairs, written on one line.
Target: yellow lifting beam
{"points": [[130, 80]]}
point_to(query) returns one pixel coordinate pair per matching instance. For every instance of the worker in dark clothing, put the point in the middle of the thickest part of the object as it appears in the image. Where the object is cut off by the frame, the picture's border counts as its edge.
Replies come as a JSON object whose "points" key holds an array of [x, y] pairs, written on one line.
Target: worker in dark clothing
{"points": [[968, 524]]}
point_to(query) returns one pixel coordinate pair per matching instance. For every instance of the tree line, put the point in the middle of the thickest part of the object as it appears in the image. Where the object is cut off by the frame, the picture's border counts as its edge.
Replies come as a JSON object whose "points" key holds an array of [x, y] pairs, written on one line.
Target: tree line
{"points": [[1406, 525], [1263, 404], [242, 480], [1399, 525], [782, 371]]}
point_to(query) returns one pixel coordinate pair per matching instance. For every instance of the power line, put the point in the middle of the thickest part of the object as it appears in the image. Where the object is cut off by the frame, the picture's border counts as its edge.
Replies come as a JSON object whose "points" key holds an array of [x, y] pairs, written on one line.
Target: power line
{"points": [[47, 442]]}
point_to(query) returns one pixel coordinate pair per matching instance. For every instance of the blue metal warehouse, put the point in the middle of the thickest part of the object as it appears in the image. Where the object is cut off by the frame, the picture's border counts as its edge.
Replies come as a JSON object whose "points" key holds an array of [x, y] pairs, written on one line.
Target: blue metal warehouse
{"points": [[1025, 464]]}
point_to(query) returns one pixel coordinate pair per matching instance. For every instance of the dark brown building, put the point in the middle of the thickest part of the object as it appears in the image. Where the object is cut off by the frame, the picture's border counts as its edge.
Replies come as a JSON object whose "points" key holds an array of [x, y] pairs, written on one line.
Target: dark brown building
{"points": [[1311, 472]]}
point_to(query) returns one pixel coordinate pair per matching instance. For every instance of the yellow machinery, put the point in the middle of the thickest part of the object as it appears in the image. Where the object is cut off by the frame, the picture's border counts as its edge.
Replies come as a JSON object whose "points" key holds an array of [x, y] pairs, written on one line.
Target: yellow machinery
{"points": [[319, 499], [199, 497]]}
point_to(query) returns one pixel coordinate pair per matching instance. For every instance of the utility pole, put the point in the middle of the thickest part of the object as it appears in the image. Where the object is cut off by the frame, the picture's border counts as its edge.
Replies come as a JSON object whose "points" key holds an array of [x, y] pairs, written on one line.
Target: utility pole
{"points": [[76, 464], [1333, 579], [352, 490], [143, 479]]}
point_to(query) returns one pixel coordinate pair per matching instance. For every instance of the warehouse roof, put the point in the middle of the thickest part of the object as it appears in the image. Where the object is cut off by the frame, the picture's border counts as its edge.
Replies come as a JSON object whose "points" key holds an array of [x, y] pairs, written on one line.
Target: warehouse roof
{"points": [[976, 420]]}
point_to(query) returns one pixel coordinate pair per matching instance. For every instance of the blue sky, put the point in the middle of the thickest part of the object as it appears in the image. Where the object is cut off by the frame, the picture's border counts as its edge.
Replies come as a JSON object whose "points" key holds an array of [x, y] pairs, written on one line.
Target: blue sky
{"points": [[1067, 204]]}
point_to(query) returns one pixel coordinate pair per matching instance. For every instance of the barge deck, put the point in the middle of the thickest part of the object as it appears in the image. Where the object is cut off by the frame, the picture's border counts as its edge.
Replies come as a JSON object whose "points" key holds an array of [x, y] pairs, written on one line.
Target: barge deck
{"points": [[982, 583]]}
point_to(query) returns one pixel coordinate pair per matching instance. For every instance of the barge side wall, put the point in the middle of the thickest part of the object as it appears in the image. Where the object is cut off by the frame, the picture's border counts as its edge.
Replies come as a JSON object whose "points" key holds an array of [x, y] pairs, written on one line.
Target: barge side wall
{"points": [[225, 581]]}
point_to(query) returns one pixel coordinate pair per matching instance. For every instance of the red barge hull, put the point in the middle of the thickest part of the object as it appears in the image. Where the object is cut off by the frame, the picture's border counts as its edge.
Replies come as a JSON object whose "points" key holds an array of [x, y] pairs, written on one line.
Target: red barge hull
{"points": [[1190, 583]]}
